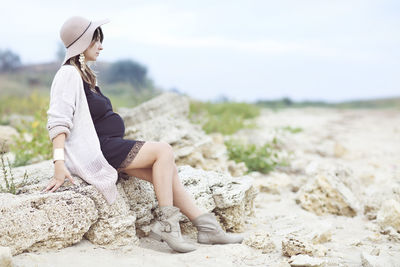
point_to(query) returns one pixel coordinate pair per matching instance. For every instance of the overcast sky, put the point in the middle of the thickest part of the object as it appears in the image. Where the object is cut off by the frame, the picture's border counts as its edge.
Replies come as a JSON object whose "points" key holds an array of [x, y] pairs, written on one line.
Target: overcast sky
{"points": [[330, 50]]}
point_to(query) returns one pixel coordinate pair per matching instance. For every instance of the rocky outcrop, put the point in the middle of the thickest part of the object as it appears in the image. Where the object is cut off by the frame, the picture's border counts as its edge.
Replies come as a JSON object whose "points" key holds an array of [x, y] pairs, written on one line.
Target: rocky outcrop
{"points": [[64, 217], [165, 118], [30, 222], [230, 198]]}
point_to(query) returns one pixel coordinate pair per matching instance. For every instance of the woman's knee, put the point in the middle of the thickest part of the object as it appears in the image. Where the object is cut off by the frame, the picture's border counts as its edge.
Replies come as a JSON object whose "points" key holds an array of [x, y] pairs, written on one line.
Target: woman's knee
{"points": [[165, 150]]}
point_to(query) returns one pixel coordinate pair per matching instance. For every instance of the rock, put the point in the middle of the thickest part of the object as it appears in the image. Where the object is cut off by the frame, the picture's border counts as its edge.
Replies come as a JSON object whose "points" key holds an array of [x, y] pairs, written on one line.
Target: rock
{"points": [[7, 134], [273, 183], [389, 215], [377, 261], [116, 225], [370, 209], [305, 260], [108, 231], [56, 220], [375, 195], [327, 194], [64, 217], [339, 150], [293, 245], [5, 257], [261, 241], [322, 237], [282, 263], [165, 119], [391, 233], [141, 199], [375, 252], [167, 104], [230, 198]]}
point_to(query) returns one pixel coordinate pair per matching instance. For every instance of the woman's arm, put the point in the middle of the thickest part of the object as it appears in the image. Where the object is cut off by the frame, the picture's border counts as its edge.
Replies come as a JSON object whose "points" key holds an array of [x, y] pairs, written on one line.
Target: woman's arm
{"points": [[60, 171], [63, 98], [58, 142]]}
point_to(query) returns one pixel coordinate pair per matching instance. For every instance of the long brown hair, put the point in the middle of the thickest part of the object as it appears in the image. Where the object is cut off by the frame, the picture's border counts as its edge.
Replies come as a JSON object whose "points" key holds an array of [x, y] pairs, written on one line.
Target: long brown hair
{"points": [[88, 74]]}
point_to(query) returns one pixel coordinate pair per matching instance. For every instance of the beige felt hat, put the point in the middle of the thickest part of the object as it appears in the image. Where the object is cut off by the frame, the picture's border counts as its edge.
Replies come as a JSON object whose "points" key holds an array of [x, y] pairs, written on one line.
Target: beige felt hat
{"points": [[77, 33]]}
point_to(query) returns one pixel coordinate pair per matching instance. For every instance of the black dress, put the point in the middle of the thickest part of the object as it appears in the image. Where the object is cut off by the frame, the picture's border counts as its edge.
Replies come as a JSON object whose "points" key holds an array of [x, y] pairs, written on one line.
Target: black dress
{"points": [[110, 130]]}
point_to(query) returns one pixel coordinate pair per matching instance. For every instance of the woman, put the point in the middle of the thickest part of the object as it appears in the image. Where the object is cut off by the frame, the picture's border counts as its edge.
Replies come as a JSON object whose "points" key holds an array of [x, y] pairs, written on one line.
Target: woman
{"points": [[82, 124]]}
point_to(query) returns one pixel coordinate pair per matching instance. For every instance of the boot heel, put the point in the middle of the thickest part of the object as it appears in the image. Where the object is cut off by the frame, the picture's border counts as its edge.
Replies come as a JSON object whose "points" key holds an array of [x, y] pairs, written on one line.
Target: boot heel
{"points": [[155, 236]]}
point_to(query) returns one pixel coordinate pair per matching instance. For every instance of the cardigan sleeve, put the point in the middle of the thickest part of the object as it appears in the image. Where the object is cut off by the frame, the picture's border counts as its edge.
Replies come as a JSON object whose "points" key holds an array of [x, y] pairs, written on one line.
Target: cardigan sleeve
{"points": [[63, 99]]}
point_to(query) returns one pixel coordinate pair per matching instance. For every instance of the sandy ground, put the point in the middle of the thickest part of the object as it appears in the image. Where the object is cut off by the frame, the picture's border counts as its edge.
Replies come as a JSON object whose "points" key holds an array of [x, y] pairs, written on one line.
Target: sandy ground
{"points": [[369, 146]]}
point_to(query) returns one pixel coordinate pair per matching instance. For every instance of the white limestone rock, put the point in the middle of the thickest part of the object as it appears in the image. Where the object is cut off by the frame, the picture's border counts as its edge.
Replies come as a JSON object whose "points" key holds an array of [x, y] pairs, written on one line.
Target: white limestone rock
{"points": [[56, 220], [327, 194], [294, 245], [305, 261], [260, 240], [384, 259], [230, 198], [389, 215], [167, 104], [5, 257], [62, 218]]}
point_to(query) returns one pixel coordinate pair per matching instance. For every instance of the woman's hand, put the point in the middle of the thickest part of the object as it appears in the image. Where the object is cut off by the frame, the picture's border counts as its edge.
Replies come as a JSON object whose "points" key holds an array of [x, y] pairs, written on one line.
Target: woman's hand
{"points": [[60, 173]]}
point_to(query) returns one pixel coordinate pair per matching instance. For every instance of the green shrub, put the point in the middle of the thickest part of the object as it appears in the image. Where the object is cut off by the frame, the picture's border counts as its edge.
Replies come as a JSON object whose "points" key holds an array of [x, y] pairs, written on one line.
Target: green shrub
{"points": [[24, 105], [10, 186], [40, 147], [225, 118], [262, 159], [292, 129]]}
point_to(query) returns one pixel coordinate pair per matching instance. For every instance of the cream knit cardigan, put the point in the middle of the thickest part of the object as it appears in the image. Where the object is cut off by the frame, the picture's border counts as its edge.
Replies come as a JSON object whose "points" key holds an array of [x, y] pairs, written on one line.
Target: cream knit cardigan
{"points": [[69, 113]]}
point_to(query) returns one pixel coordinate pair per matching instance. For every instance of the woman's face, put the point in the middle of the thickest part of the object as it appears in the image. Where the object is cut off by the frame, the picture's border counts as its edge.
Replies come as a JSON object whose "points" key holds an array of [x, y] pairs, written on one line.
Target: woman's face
{"points": [[93, 51]]}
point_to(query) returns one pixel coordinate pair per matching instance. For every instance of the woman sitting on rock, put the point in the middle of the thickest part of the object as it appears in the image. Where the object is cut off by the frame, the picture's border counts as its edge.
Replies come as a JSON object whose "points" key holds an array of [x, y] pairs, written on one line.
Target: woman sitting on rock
{"points": [[82, 124]]}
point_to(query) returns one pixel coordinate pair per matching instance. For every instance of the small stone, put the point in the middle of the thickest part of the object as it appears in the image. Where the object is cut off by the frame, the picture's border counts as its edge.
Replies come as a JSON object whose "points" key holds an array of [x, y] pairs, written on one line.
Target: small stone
{"points": [[322, 237], [375, 252], [389, 214], [305, 260], [5, 257], [292, 246], [260, 240], [375, 261]]}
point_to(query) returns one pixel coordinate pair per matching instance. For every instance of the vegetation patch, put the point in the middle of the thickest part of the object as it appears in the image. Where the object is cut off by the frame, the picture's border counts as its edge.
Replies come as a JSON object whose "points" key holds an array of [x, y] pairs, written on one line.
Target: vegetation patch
{"points": [[9, 181], [292, 129], [226, 118], [33, 143], [261, 159]]}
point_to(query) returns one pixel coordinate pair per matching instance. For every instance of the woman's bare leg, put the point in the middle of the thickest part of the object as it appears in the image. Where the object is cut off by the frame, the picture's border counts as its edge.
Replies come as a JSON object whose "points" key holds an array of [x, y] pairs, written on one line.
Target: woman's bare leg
{"points": [[160, 158], [157, 163], [181, 198]]}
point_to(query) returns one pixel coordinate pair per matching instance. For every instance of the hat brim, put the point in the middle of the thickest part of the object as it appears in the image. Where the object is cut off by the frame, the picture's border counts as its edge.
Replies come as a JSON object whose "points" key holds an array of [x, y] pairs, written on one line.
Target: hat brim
{"points": [[83, 43]]}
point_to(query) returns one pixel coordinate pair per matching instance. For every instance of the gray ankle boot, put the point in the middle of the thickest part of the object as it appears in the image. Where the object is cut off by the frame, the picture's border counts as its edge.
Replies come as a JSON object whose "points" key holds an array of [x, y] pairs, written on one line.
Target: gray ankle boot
{"points": [[210, 231], [166, 228]]}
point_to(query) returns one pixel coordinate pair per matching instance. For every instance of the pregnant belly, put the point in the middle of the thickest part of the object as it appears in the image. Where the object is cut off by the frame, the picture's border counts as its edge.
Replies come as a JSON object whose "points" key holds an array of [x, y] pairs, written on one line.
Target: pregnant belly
{"points": [[111, 125]]}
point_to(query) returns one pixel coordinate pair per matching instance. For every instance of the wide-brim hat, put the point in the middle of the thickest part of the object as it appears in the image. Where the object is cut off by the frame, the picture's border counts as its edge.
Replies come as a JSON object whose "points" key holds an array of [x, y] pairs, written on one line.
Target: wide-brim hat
{"points": [[77, 33]]}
